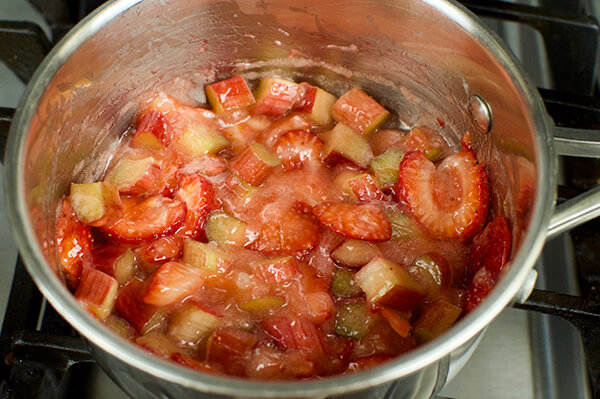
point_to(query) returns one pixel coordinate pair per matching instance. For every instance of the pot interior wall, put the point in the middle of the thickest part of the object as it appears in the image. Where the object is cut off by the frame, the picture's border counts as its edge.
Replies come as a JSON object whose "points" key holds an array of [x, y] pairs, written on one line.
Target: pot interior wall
{"points": [[422, 66]]}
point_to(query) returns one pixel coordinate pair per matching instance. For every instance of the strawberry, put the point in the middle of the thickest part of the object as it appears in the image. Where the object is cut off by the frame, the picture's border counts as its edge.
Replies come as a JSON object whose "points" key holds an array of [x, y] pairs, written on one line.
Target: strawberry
{"points": [[450, 201], [363, 222], [229, 347], [97, 292], [294, 334], [291, 233], [73, 244], [425, 140], [130, 306], [275, 271], [172, 282], [365, 188], [297, 147], [153, 131], [270, 136], [480, 286], [490, 248], [198, 195], [161, 250], [145, 219]]}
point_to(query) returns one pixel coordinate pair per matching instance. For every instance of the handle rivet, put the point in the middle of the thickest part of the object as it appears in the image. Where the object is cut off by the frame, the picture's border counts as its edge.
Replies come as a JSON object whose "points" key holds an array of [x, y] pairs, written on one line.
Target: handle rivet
{"points": [[481, 113]]}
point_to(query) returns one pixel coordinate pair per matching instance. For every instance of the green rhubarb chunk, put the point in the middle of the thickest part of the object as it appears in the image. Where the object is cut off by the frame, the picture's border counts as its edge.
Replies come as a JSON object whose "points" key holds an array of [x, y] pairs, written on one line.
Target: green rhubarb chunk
{"points": [[403, 227], [225, 229], [385, 167], [343, 284], [352, 320], [264, 304], [200, 140]]}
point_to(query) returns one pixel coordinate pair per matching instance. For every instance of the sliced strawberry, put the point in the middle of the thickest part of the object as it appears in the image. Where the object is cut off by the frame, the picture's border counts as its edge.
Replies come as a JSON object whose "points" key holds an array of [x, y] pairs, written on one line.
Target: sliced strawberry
{"points": [[160, 251], [297, 147], [363, 222], [275, 271], [450, 201], [291, 233], [270, 136], [198, 195], [153, 131], [97, 292], [145, 219], [129, 305], [172, 282], [365, 188], [229, 348], [291, 333], [482, 284], [229, 94], [73, 244], [490, 248]]}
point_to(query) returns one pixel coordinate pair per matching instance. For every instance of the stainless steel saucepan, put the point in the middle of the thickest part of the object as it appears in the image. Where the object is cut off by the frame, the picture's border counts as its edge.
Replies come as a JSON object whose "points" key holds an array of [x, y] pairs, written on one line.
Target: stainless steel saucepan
{"points": [[430, 62]]}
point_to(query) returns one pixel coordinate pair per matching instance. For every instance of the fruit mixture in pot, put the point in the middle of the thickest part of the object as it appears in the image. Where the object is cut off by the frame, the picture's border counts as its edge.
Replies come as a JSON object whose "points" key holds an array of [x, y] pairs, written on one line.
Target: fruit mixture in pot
{"points": [[281, 235]]}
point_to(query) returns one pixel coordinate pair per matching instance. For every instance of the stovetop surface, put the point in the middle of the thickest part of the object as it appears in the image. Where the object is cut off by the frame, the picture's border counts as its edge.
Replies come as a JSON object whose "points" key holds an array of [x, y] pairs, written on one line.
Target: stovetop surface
{"points": [[522, 355]]}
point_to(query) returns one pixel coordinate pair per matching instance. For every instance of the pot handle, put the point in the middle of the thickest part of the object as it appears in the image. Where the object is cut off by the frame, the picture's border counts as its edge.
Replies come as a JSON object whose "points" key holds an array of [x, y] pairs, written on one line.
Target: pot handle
{"points": [[6, 115]]}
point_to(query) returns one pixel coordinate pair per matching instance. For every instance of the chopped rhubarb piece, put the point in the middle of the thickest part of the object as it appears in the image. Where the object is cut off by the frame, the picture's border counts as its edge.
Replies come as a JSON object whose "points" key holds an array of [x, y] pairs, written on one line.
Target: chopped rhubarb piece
{"points": [[254, 164], [124, 267], [198, 140], [157, 343], [436, 318], [172, 282], [73, 244], [134, 176], [160, 251], [95, 203], [222, 228], [354, 253], [344, 141], [153, 131], [385, 139], [290, 233], [97, 292], [145, 219], [316, 103], [479, 287], [229, 94], [198, 195], [264, 304], [490, 248], [291, 333], [229, 347], [426, 140], [363, 222], [365, 188], [359, 111], [120, 326], [343, 284], [140, 315], [115, 261], [385, 167], [240, 188], [208, 257], [190, 324], [432, 271], [397, 320], [353, 320], [403, 226], [389, 284], [450, 201], [298, 147], [275, 271], [276, 96]]}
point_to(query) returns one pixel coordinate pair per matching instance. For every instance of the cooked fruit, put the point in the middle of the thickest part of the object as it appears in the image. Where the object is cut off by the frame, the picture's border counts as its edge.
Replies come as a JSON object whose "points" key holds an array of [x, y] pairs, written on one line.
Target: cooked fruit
{"points": [[198, 140], [95, 203], [265, 304], [403, 226], [73, 244], [423, 139], [344, 141], [353, 320], [243, 133], [450, 201], [172, 282], [275, 271], [124, 267], [354, 253], [387, 283], [316, 103], [205, 256], [191, 323], [398, 321], [140, 315], [363, 222], [490, 248], [436, 318], [97, 292], [222, 228], [298, 147], [291, 333], [359, 111], [228, 346], [254, 164], [159, 251], [270, 136], [479, 287], [145, 219], [276, 96], [385, 167], [153, 131], [157, 343], [364, 188], [120, 326], [343, 284], [134, 176], [198, 195], [229, 94], [432, 271]]}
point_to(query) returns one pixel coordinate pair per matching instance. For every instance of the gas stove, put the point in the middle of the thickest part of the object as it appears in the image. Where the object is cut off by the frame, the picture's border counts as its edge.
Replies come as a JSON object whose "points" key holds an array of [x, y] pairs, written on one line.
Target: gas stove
{"points": [[522, 355]]}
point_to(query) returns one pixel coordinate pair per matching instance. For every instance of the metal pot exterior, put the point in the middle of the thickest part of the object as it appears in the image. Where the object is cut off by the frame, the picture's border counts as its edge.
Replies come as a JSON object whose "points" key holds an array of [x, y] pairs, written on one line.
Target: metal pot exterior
{"points": [[423, 59]]}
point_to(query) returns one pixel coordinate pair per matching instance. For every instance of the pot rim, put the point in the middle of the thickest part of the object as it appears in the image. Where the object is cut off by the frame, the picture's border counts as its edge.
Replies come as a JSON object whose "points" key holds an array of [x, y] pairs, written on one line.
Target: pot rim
{"points": [[63, 301]]}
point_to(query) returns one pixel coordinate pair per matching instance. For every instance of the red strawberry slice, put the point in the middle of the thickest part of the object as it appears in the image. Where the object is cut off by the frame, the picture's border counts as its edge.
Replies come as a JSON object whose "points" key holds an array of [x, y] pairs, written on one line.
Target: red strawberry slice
{"points": [[172, 282], [229, 348], [363, 222], [145, 219], [275, 271], [73, 244], [450, 201], [490, 248], [291, 233], [153, 131], [291, 333], [198, 195], [365, 188], [160, 251], [482, 284], [130, 306], [297, 147]]}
